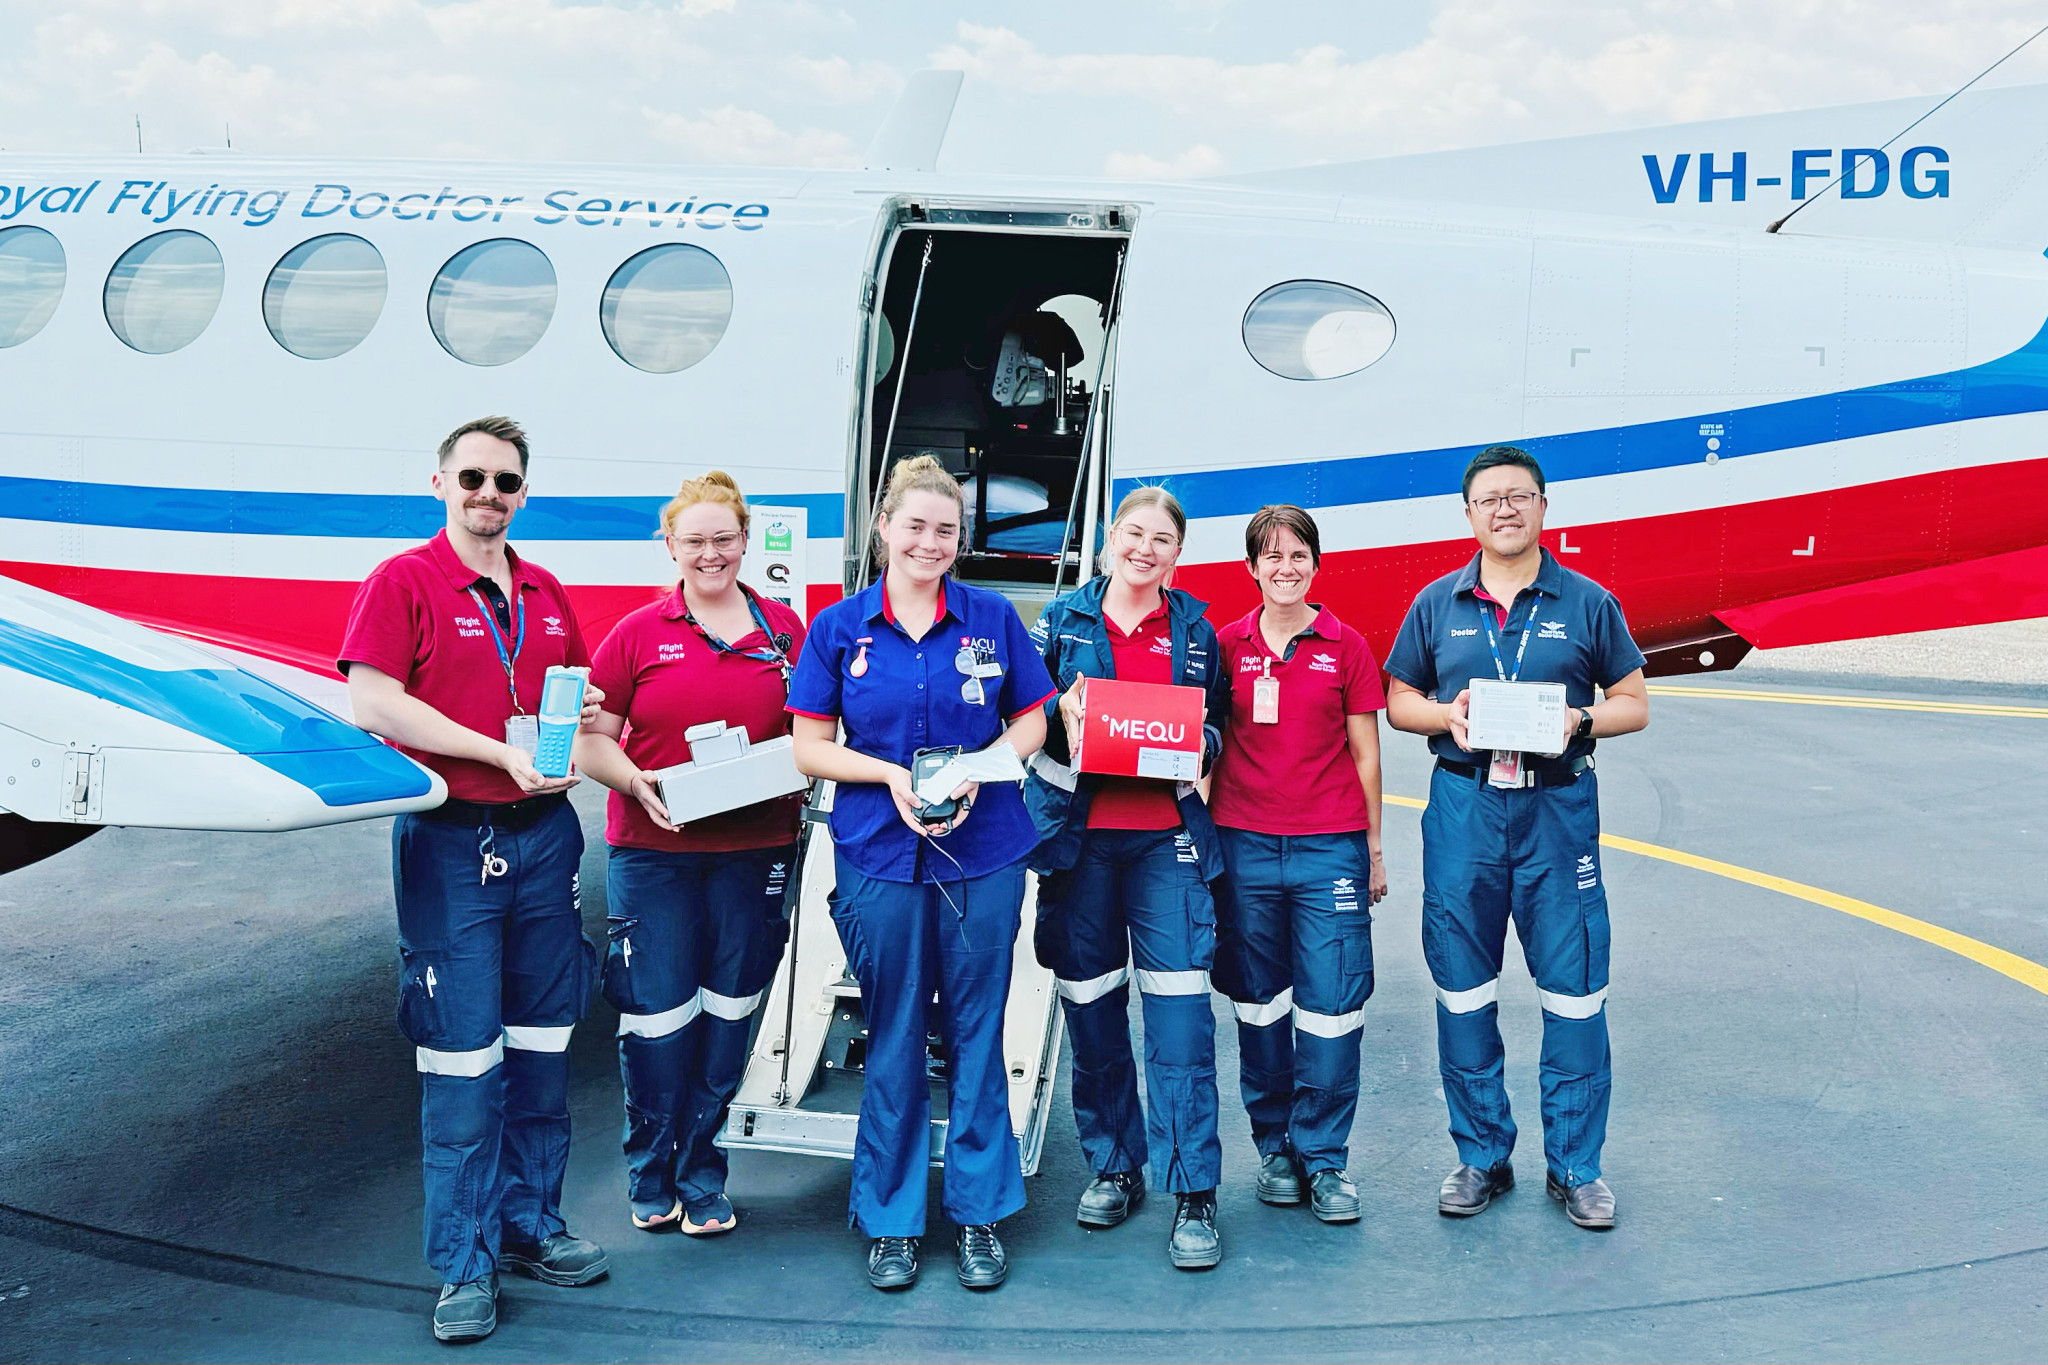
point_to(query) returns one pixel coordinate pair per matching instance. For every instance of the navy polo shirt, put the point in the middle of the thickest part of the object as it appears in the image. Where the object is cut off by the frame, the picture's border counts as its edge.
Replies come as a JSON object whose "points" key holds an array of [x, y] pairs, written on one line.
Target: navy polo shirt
{"points": [[1580, 640], [896, 695]]}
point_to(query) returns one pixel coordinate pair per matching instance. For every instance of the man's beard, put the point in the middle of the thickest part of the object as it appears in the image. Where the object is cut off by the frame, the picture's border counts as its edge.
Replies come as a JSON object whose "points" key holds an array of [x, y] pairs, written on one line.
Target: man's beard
{"points": [[476, 524]]}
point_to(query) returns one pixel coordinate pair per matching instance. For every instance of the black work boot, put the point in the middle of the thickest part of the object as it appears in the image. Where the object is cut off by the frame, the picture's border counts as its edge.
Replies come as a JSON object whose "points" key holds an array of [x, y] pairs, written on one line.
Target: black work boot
{"points": [[563, 1259], [1109, 1199], [892, 1262], [1590, 1205], [1332, 1197], [467, 1311], [1195, 1244], [983, 1262], [1468, 1190], [1279, 1179]]}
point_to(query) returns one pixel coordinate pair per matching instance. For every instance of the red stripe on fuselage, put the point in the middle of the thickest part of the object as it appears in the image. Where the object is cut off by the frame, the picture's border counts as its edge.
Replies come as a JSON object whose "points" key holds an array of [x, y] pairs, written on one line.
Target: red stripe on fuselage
{"points": [[1671, 572]]}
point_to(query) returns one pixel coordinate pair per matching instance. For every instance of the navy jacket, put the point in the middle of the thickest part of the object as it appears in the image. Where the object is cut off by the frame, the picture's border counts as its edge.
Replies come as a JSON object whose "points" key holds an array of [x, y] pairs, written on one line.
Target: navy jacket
{"points": [[1075, 642]]}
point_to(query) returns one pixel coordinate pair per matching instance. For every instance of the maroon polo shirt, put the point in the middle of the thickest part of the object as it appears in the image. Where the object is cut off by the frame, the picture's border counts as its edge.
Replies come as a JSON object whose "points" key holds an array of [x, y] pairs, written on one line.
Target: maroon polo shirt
{"points": [[662, 675], [1296, 777], [415, 618]]}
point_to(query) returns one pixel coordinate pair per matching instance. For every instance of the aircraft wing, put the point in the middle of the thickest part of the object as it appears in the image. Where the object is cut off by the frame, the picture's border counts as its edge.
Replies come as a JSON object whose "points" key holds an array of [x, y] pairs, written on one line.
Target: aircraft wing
{"points": [[104, 722]]}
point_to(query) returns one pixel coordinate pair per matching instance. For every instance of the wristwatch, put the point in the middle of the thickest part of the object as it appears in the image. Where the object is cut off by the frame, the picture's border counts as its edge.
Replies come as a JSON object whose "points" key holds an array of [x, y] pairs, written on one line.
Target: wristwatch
{"points": [[1585, 730]]}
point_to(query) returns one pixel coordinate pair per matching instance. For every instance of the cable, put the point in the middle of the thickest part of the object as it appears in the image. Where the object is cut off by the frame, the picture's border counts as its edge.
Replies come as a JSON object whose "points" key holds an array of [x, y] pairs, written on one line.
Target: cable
{"points": [[1911, 126]]}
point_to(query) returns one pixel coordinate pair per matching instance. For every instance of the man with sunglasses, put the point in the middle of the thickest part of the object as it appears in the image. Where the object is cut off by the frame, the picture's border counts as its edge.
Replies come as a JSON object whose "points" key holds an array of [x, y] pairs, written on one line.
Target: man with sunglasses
{"points": [[445, 652], [1517, 835]]}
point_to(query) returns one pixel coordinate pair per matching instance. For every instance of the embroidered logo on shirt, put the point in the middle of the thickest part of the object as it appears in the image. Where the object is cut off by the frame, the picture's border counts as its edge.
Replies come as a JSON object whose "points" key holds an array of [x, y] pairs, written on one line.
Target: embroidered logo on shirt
{"points": [[1550, 630], [1469, 630], [669, 652], [467, 626], [1250, 663], [1323, 663], [554, 625], [1162, 645]]}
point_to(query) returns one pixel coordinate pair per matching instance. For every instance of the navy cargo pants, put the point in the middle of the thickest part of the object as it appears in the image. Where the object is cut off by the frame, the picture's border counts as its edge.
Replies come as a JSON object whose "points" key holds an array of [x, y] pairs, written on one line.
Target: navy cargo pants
{"points": [[1530, 854], [694, 942], [1294, 954], [1136, 899], [493, 973]]}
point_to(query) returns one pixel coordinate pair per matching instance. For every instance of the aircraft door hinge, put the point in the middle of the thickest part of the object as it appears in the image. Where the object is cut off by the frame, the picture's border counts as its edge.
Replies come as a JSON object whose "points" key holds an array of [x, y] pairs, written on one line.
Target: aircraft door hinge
{"points": [[867, 294], [84, 780]]}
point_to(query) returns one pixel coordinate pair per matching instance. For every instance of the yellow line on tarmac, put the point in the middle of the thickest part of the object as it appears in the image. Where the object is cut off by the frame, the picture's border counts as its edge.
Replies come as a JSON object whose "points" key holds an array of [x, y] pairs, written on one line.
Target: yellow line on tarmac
{"points": [[1945, 708], [2023, 970]]}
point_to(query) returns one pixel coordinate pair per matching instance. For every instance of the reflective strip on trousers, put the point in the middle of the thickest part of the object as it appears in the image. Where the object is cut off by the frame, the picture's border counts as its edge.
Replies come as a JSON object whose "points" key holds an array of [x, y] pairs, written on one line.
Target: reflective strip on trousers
{"points": [[538, 1038], [729, 1006], [1573, 1006], [1272, 1012], [1088, 992], [1465, 1002], [663, 1024], [475, 1063], [1329, 1025], [1173, 983]]}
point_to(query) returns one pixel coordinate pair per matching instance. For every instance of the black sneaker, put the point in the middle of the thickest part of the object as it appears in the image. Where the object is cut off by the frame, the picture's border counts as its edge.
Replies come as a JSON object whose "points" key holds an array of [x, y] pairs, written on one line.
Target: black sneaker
{"points": [[1279, 1179], [983, 1262], [563, 1259], [892, 1262], [468, 1311], [1195, 1244], [1109, 1199]]}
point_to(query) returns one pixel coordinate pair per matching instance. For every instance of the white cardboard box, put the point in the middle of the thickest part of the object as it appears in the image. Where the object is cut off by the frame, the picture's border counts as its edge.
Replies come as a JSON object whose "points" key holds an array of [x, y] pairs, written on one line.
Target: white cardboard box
{"points": [[1526, 716], [741, 774]]}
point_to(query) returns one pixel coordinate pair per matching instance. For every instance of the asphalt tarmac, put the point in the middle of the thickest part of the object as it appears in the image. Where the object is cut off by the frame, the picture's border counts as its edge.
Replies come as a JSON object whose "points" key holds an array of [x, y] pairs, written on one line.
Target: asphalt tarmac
{"points": [[1827, 1136]]}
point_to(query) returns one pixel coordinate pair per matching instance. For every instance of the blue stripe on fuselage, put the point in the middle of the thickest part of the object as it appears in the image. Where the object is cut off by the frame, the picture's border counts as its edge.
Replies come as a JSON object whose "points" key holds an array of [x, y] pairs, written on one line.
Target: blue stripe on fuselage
{"points": [[351, 514], [237, 710], [2013, 383]]}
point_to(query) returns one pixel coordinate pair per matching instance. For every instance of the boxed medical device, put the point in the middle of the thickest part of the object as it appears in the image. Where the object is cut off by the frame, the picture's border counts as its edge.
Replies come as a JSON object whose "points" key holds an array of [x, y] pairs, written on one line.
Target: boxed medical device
{"points": [[726, 772], [1134, 729]]}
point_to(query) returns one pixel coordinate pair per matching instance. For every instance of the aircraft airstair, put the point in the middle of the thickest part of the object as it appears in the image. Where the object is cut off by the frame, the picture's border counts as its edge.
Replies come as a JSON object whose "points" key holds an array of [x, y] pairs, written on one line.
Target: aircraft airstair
{"points": [[802, 1087]]}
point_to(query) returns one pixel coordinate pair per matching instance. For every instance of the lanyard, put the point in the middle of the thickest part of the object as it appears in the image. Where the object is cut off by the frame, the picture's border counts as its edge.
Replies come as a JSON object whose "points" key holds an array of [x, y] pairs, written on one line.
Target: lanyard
{"points": [[1493, 641], [771, 655], [508, 658]]}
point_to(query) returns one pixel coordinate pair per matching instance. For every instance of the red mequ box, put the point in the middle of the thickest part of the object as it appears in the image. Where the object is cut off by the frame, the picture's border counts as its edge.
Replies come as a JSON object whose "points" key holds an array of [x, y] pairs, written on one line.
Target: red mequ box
{"points": [[1134, 729]]}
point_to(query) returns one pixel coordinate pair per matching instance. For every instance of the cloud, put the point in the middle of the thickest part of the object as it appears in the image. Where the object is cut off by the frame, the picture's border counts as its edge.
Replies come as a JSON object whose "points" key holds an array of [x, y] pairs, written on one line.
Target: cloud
{"points": [[735, 136], [1192, 164]]}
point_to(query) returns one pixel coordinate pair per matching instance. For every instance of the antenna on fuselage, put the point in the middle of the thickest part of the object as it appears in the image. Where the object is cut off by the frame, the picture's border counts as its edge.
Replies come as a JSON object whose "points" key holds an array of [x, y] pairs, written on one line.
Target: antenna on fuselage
{"points": [[1854, 162], [910, 138], [138, 133]]}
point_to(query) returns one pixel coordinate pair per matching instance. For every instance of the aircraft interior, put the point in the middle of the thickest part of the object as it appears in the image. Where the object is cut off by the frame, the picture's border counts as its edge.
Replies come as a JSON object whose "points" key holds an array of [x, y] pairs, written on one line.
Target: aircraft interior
{"points": [[989, 355]]}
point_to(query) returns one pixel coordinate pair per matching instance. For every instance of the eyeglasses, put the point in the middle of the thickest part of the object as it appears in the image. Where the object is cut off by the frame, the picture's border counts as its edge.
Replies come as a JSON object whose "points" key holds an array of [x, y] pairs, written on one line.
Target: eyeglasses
{"points": [[969, 663], [1133, 537], [725, 542], [1521, 501], [506, 481]]}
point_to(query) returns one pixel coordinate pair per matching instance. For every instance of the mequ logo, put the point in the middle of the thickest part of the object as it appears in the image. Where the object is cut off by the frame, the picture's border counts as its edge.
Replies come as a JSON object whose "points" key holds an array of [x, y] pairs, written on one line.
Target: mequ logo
{"points": [[1158, 731]]}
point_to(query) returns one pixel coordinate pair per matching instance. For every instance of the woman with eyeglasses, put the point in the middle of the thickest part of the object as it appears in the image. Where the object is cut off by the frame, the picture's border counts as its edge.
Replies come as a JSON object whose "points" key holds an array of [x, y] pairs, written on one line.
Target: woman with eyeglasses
{"points": [[1296, 800], [1124, 868], [929, 893], [696, 912]]}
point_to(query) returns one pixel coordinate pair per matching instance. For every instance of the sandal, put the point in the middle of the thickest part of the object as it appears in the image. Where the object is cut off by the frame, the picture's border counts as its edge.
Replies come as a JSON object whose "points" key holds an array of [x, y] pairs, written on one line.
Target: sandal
{"points": [[661, 1222], [711, 1218]]}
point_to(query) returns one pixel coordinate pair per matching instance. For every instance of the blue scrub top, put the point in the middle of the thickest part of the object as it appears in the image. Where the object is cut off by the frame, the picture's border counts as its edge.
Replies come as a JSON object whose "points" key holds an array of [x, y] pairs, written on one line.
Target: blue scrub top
{"points": [[896, 695], [1581, 640]]}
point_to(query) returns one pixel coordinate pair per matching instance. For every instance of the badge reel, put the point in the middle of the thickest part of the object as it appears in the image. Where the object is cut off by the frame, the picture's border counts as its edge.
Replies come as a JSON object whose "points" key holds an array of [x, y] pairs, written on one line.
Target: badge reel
{"points": [[1266, 698]]}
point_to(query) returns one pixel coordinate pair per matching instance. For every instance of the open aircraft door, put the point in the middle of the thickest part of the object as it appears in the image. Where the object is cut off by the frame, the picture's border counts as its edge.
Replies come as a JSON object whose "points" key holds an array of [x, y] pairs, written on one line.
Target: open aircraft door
{"points": [[988, 339]]}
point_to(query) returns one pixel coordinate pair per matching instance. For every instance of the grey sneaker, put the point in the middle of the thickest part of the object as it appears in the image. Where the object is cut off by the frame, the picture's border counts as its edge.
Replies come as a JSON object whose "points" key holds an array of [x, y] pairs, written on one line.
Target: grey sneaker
{"points": [[1332, 1197], [1195, 1244], [1279, 1179], [563, 1259], [467, 1312]]}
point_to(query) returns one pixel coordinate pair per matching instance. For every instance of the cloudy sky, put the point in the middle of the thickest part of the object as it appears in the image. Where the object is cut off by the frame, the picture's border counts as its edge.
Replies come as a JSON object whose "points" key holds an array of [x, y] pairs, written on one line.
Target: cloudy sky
{"points": [[1139, 87]]}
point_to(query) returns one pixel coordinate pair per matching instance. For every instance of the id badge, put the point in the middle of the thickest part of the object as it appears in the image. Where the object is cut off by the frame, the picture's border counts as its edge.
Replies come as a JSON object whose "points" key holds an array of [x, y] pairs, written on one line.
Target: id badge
{"points": [[523, 733], [1265, 701], [1506, 770]]}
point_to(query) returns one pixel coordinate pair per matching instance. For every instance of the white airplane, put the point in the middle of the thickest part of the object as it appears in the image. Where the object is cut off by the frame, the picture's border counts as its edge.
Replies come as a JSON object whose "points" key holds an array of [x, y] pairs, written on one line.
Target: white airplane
{"points": [[224, 375]]}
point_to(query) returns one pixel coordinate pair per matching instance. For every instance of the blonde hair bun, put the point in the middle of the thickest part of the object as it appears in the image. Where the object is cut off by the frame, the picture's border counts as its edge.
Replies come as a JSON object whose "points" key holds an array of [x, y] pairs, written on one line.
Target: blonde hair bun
{"points": [[716, 486]]}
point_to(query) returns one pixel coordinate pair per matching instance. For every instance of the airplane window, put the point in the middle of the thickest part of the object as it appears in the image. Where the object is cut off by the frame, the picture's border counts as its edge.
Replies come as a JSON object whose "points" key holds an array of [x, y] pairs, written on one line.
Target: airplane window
{"points": [[492, 301], [163, 291], [31, 282], [1312, 329], [666, 308], [324, 296]]}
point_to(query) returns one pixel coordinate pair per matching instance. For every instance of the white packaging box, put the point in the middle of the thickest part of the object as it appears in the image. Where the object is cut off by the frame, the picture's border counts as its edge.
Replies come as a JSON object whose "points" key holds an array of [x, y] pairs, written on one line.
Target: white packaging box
{"points": [[1527, 716], [727, 773]]}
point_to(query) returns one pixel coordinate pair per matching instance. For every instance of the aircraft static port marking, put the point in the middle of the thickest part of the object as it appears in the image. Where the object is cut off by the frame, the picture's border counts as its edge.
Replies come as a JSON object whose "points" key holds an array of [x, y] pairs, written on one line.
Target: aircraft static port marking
{"points": [[1943, 708], [2023, 970]]}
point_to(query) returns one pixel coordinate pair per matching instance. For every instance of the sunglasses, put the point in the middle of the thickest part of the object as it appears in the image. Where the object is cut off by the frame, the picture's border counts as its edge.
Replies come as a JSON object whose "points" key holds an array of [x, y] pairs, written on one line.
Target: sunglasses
{"points": [[506, 481]]}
